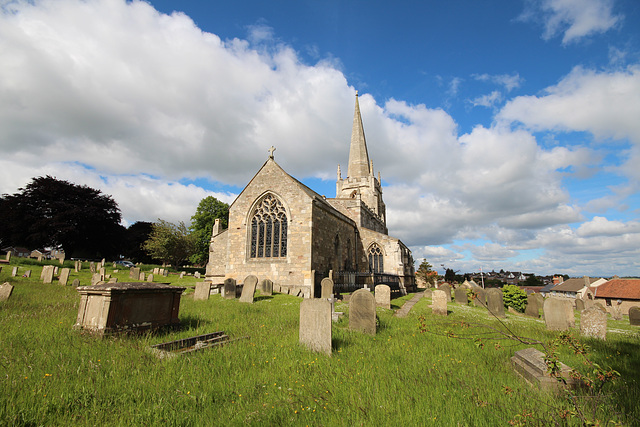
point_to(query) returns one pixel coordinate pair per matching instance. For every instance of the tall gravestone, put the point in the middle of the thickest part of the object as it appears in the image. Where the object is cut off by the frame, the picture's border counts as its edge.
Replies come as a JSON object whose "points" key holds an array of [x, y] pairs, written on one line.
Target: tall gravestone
{"points": [[634, 316], [6, 289], [362, 312], [480, 299], [47, 273], [249, 289], [616, 312], [203, 290], [593, 323], [14, 272], [439, 302], [95, 279], [495, 303], [326, 287], [461, 296], [383, 296], [134, 273], [229, 288], [141, 277], [533, 309], [92, 267], [558, 314], [150, 277], [579, 305], [165, 273], [447, 290], [27, 273], [266, 287], [64, 276], [315, 325]]}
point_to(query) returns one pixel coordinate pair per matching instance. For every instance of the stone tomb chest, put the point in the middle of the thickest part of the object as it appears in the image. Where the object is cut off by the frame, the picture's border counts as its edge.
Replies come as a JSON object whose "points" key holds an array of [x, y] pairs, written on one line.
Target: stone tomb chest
{"points": [[128, 306]]}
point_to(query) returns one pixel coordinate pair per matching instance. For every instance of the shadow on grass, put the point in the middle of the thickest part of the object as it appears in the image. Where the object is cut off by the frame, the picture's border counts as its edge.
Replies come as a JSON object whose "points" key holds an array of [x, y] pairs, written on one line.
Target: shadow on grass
{"points": [[262, 298], [338, 343]]}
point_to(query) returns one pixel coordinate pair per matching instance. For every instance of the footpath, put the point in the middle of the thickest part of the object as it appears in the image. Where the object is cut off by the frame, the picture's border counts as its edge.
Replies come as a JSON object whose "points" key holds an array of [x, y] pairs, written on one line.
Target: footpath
{"points": [[406, 308]]}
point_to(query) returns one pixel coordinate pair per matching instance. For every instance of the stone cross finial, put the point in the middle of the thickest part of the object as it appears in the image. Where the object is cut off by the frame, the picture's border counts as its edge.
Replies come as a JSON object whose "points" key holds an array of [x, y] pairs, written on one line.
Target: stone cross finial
{"points": [[271, 150]]}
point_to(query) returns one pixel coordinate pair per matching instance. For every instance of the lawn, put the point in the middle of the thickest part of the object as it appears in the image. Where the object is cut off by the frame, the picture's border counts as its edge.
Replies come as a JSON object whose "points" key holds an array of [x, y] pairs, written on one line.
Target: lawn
{"points": [[449, 374]]}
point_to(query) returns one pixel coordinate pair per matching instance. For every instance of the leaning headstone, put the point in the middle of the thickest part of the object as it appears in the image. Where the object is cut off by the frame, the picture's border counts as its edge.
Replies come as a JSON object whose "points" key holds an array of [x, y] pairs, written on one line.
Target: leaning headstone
{"points": [[150, 278], [533, 309], [75, 283], [156, 270], [495, 303], [439, 302], [47, 273], [249, 289], [27, 273], [266, 287], [593, 323], [634, 316], [480, 299], [579, 305], [64, 276], [229, 288], [362, 312], [558, 314], [461, 296], [315, 325], [95, 278], [326, 287], [383, 296], [203, 290], [6, 289], [447, 290], [14, 272]]}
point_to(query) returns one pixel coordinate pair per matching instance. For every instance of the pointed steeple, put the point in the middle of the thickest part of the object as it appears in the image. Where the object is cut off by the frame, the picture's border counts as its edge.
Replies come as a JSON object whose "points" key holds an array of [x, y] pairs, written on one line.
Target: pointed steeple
{"points": [[358, 155]]}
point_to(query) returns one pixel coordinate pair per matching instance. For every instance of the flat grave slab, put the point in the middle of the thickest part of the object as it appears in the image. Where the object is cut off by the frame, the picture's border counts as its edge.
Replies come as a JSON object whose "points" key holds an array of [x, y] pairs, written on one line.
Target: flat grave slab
{"points": [[529, 364]]}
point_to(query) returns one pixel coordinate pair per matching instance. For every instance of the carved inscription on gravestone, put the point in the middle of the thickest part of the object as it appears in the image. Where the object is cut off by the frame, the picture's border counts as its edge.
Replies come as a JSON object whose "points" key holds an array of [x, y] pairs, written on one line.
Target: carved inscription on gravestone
{"points": [[266, 287], [593, 323], [383, 296], [362, 312], [326, 288], [495, 304], [558, 314], [249, 289], [203, 290], [315, 325], [439, 302], [229, 288]]}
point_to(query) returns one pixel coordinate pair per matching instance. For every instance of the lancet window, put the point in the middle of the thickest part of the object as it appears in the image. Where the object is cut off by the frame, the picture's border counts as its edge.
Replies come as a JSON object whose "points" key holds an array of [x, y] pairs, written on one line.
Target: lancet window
{"points": [[269, 229], [376, 264]]}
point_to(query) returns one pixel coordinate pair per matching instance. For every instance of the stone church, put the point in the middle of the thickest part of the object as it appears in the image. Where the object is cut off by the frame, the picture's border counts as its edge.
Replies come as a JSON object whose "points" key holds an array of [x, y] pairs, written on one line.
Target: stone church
{"points": [[280, 229]]}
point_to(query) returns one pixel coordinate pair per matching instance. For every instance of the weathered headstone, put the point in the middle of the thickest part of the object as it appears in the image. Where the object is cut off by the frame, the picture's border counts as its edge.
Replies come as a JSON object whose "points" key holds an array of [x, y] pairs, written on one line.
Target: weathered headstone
{"points": [[530, 364], [182, 274], [165, 273], [92, 267], [134, 273], [95, 278], [480, 299], [276, 288], [383, 296], [495, 303], [634, 316], [196, 274], [439, 302], [6, 289], [616, 312], [14, 272], [64, 276], [326, 286], [150, 278], [47, 274], [77, 266], [447, 290], [266, 287], [558, 314], [427, 293], [362, 312], [461, 296], [102, 263], [533, 309], [113, 280], [75, 283], [229, 288], [593, 323], [579, 305], [203, 290], [315, 325], [55, 271], [27, 273], [141, 277], [249, 289]]}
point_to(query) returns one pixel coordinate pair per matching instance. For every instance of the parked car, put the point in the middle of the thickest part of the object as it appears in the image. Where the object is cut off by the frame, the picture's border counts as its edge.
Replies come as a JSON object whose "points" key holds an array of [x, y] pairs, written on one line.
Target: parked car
{"points": [[127, 264]]}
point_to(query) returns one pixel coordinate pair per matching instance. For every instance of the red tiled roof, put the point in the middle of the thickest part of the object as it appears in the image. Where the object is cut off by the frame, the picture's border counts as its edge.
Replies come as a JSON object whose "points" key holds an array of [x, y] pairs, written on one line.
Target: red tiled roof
{"points": [[619, 288]]}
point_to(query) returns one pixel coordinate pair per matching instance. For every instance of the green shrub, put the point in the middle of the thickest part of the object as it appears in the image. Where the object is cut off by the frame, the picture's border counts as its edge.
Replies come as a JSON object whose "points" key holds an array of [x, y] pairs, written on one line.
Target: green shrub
{"points": [[514, 297]]}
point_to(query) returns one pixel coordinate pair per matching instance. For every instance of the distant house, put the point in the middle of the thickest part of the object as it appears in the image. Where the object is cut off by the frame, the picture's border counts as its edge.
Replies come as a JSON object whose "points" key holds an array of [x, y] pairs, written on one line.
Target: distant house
{"points": [[624, 293], [17, 251], [576, 288], [37, 254], [547, 289]]}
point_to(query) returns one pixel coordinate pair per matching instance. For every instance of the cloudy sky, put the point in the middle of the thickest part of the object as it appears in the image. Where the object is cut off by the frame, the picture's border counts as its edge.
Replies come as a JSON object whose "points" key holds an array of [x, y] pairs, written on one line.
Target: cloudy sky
{"points": [[507, 132]]}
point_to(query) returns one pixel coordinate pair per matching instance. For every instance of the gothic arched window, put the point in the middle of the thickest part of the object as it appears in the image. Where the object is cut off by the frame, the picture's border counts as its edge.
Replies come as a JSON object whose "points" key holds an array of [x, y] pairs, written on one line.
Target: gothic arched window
{"points": [[269, 229], [376, 264]]}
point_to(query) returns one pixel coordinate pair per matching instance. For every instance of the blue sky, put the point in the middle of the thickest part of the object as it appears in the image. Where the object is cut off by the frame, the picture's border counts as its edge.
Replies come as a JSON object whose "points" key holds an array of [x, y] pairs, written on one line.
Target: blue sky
{"points": [[506, 131]]}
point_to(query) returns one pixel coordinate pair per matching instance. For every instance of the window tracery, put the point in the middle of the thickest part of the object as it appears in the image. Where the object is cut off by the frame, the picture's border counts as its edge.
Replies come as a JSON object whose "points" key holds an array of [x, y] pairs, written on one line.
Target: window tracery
{"points": [[269, 229], [376, 263]]}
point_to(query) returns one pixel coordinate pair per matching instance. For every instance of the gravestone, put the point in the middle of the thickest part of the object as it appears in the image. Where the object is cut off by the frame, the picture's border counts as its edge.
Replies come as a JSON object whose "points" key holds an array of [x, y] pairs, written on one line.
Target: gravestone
{"points": [[276, 288], [182, 274], [315, 325], [102, 263], [203, 290], [593, 323], [229, 288], [495, 304], [461, 296], [383, 296], [64, 276], [439, 302], [558, 314], [266, 287], [249, 289], [530, 364], [362, 312], [55, 271], [326, 288], [6, 289], [77, 266], [447, 290], [427, 293], [27, 273], [113, 280], [141, 277], [165, 273], [533, 309], [480, 299], [156, 270], [92, 267], [134, 273], [95, 279], [150, 278], [47, 274], [14, 272], [616, 312], [61, 258], [579, 305], [75, 283], [634, 316], [196, 274]]}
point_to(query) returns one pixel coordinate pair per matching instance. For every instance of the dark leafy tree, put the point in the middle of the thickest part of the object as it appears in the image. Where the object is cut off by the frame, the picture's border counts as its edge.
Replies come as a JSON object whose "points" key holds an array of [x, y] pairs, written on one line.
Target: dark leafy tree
{"points": [[171, 243], [49, 212], [450, 276], [136, 235], [532, 280], [209, 209]]}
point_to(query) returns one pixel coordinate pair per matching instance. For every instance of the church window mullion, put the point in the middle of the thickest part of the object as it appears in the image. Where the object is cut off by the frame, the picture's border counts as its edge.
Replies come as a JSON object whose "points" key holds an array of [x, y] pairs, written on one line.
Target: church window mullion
{"points": [[268, 230]]}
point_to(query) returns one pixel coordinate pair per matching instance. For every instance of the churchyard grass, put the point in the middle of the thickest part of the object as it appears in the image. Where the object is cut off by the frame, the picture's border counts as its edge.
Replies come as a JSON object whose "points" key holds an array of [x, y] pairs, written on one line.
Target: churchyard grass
{"points": [[54, 375]]}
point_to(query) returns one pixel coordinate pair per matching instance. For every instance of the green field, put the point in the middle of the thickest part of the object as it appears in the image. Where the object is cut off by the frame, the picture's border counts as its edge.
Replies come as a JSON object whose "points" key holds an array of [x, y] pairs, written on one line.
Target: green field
{"points": [[51, 374]]}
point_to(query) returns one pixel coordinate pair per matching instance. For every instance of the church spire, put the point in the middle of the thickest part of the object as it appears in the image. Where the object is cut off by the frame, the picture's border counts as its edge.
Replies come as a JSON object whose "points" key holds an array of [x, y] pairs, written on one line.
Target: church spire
{"points": [[358, 155]]}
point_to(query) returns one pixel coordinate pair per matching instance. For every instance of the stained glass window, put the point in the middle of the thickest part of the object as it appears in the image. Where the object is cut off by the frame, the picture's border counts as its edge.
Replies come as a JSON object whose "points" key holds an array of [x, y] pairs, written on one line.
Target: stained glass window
{"points": [[269, 229], [376, 264]]}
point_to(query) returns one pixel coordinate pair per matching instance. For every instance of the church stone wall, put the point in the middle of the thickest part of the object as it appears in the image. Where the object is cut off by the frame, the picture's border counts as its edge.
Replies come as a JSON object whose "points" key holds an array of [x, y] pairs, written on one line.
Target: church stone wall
{"points": [[330, 253], [357, 210], [396, 255], [217, 256]]}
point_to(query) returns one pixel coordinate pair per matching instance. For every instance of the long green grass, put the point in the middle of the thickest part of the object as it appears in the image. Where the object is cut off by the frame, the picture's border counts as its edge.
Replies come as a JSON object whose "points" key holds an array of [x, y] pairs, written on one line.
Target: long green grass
{"points": [[51, 374]]}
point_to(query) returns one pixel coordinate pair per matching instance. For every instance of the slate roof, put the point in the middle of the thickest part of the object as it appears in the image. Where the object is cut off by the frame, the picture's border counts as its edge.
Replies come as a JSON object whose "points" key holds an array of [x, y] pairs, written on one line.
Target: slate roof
{"points": [[573, 285], [548, 287], [619, 288]]}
